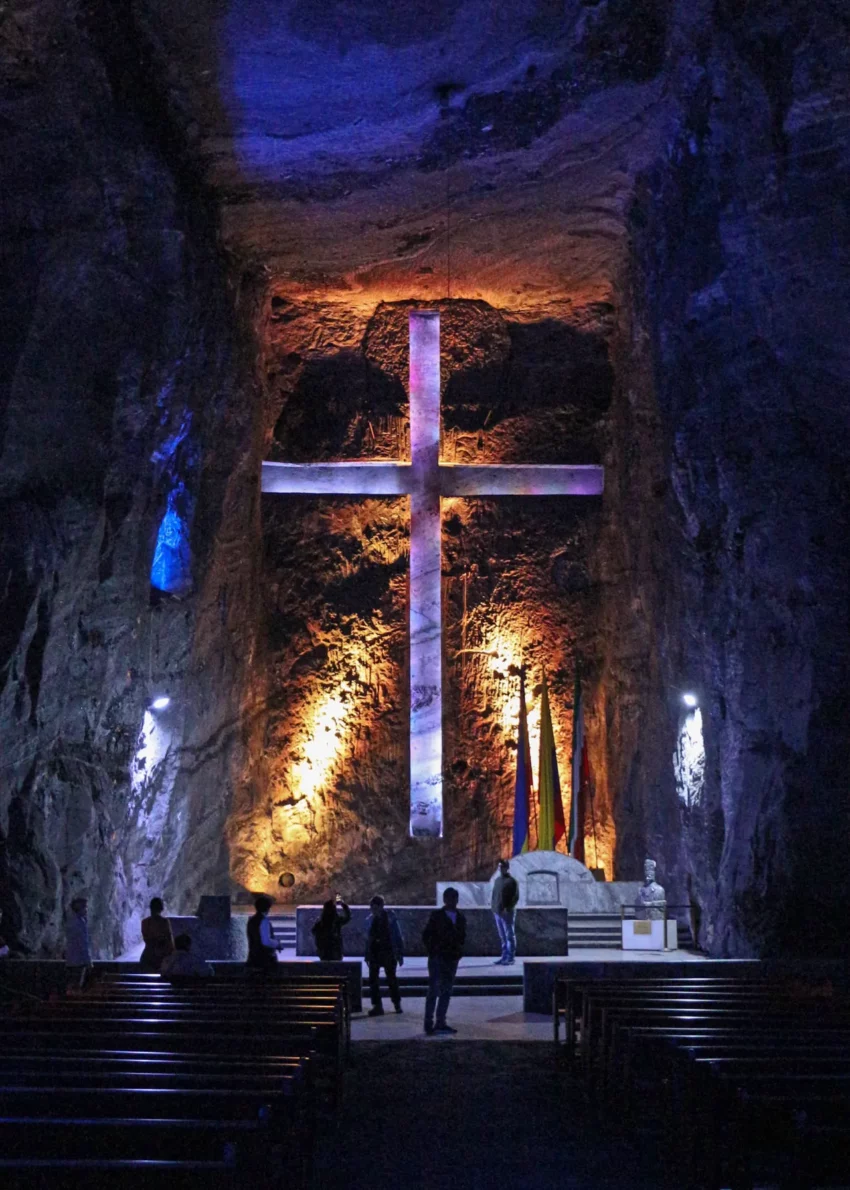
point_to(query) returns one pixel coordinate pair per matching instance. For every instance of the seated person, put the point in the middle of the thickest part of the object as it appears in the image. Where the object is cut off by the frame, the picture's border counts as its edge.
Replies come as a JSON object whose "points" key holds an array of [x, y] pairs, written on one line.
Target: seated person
{"points": [[181, 962]]}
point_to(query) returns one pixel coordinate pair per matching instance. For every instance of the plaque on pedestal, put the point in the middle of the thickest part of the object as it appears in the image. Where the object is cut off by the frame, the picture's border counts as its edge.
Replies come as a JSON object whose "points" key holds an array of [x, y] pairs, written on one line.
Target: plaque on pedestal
{"points": [[648, 934]]}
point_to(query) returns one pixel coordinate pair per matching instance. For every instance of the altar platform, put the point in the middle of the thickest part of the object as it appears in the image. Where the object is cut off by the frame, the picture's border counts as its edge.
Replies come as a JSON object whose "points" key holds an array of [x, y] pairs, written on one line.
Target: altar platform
{"points": [[527, 985]]}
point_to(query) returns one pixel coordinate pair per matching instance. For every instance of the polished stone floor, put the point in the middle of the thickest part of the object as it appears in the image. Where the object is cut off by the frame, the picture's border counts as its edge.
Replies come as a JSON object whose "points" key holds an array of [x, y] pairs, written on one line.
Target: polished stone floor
{"points": [[476, 1018]]}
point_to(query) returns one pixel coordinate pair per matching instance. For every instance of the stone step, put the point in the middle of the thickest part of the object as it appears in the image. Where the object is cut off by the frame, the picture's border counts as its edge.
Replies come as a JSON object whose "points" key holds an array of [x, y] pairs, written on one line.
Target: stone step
{"points": [[416, 986], [586, 931]]}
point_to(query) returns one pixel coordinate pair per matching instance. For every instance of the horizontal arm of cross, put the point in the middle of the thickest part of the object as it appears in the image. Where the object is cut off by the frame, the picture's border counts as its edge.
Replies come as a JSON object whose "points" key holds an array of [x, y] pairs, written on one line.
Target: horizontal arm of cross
{"points": [[338, 479], [520, 479], [397, 479]]}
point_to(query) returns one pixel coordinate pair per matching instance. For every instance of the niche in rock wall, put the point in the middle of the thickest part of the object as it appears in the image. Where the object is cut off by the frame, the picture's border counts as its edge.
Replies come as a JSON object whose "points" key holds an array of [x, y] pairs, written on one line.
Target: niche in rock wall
{"points": [[518, 590]]}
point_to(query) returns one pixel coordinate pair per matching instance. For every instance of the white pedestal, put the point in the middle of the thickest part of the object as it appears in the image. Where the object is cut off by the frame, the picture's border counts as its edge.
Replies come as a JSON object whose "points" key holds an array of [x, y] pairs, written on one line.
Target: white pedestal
{"points": [[649, 935]]}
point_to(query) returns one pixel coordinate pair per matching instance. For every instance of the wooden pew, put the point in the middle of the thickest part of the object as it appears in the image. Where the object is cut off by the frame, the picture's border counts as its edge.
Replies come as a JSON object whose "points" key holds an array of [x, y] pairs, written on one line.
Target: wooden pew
{"points": [[723, 1057], [231, 993], [220, 1085]]}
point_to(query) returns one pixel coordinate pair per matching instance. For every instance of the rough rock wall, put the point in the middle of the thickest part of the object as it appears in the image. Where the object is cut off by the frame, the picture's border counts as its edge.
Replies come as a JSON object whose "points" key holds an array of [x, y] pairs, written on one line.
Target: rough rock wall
{"points": [[119, 383], [733, 494]]}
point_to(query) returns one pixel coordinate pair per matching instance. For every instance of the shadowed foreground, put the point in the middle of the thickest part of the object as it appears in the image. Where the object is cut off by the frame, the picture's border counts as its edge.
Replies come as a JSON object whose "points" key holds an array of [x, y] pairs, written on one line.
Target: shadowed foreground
{"points": [[470, 1115]]}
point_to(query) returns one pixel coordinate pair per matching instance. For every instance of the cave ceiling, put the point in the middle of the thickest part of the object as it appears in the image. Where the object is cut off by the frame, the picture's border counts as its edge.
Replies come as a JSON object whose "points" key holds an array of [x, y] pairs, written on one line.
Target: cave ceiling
{"points": [[363, 152]]}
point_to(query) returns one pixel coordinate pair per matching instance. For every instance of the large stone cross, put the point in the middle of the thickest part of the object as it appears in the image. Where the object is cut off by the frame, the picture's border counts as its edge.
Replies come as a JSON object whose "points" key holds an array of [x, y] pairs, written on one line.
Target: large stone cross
{"points": [[425, 479]]}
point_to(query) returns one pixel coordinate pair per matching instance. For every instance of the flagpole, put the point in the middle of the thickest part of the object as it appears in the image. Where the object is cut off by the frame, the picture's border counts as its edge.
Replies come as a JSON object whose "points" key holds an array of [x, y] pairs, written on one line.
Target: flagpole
{"points": [[593, 821]]}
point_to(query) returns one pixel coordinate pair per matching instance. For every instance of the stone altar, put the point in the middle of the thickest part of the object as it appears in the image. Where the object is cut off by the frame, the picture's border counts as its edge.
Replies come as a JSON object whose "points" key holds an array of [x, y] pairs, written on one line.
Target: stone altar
{"points": [[549, 879]]}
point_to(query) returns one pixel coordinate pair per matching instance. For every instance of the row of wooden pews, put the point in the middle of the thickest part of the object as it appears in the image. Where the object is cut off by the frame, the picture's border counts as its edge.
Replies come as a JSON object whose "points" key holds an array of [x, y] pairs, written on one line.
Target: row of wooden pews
{"points": [[172, 1084], [744, 1080]]}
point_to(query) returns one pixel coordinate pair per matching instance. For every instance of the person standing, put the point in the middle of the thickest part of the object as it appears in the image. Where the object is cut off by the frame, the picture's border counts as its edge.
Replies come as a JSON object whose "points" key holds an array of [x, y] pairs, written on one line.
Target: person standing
{"points": [[157, 936], [328, 929], [444, 937], [262, 948], [77, 948], [384, 948], [504, 903]]}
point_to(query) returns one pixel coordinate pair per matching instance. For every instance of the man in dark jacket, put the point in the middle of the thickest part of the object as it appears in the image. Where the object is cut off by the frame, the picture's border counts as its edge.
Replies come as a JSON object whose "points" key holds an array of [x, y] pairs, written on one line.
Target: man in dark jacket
{"points": [[262, 947], [444, 937], [503, 904], [384, 948]]}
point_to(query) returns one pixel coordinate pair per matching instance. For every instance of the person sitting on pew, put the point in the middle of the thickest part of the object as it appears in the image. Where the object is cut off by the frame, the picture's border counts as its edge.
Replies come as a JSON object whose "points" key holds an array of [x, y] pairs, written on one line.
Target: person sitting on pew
{"points": [[181, 962], [262, 947], [78, 963], [328, 929], [156, 933]]}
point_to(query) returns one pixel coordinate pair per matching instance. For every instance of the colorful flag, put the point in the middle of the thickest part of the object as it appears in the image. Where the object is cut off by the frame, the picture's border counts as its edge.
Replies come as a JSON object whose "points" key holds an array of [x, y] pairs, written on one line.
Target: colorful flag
{"points": [[551, 826], [522, 800], [580, 766]]}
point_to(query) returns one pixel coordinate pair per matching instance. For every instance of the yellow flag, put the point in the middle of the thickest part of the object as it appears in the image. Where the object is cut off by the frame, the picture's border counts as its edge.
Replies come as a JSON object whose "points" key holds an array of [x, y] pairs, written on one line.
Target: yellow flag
{"points": [[551, 825]]}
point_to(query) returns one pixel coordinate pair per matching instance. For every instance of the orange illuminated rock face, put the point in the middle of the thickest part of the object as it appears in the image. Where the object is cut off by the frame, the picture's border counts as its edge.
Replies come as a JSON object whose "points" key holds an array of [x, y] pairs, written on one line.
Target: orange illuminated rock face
{"points": [[330, 800]]}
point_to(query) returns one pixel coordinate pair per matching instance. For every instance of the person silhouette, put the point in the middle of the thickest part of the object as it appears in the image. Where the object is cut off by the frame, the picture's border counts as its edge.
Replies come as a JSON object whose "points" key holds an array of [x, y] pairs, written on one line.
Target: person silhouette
{"points": [[444, 937], [384, 948], [328, 929], [156, 933]]}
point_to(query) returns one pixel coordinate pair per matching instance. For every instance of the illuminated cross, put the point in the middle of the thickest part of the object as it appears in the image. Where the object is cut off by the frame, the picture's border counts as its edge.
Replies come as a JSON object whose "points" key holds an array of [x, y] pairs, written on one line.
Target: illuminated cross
{"points": [[425, 479]]}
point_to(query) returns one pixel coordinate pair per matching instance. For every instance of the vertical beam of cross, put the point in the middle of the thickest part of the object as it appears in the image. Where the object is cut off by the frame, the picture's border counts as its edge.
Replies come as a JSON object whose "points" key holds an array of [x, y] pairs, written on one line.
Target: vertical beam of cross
{"points": [[426, 619], [426, 480]]}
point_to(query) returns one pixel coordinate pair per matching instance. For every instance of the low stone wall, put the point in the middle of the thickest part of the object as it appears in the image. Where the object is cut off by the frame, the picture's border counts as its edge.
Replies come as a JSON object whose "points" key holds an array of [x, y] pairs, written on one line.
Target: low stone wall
{"points": [[539, 931], [579, 896], [226, 941]]}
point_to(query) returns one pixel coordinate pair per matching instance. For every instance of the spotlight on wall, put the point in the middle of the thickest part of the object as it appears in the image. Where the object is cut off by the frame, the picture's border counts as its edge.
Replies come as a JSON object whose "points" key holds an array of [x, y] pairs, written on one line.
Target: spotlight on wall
{"points": [[159, 704], [690, 700]]}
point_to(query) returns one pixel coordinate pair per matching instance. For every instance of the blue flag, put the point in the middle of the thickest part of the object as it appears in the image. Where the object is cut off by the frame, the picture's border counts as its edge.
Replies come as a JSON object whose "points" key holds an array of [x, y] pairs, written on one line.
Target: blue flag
{"points": [[522, 800]]}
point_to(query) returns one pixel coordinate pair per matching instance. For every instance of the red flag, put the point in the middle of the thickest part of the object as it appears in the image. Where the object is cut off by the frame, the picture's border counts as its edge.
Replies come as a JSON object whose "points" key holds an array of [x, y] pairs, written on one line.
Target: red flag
{"points": [[560, 824]]}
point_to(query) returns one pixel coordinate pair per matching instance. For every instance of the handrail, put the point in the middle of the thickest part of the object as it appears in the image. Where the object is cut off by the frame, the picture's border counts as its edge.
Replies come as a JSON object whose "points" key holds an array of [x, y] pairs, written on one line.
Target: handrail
{"points": [[635, 908]]}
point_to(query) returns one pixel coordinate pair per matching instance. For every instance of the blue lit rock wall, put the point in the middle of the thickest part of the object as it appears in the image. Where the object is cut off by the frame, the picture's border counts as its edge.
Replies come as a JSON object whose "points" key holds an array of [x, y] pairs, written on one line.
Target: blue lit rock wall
{"points": [[734, 513], [119, 368]]}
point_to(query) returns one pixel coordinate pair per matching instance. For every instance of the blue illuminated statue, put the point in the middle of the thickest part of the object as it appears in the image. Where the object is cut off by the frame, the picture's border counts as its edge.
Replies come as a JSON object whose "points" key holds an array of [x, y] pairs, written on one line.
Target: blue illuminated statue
{"points": [[172, 560]]}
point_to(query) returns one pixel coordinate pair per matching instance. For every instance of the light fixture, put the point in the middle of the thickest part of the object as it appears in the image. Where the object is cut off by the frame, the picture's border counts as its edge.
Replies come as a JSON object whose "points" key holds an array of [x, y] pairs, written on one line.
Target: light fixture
{"points": [[159, 704], [690, 700]]}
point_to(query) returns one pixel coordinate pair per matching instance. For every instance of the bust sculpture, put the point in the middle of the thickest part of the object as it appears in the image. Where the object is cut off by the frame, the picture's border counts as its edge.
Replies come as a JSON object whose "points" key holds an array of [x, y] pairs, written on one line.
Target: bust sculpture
{"points": [[652, 899]]}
